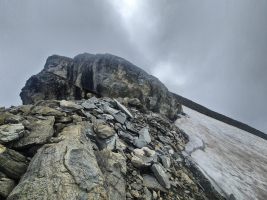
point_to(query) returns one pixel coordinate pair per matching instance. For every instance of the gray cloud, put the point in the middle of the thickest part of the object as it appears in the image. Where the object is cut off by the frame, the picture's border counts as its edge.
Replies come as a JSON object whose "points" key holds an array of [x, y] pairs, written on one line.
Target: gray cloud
{"points": [[210, 51]]}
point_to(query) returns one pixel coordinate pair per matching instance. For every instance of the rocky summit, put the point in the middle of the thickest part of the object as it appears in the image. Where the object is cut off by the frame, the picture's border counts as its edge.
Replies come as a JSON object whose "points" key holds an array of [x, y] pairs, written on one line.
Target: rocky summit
{"points": [[96, 127], [104, 75]]}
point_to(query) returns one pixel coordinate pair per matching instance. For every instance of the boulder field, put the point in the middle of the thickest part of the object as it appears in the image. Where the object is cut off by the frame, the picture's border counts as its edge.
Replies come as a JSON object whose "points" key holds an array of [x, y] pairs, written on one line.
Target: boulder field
{"points": [[99, 148]]}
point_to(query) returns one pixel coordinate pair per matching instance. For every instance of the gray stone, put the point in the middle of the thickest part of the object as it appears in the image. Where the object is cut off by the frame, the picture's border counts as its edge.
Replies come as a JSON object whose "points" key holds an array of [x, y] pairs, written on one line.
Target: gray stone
{"points": [[108, 109], [107, 117], [128, 195], [136, 186], [135, 194], [70, 105], [10, 132], [149, 152], [144, 133], [6, 186], [89, 105], [139, 142], [152, 183], [12, 163], [139, 159], [93, 99], [64, 170], [155, 196], [123, 109], [120, 145], [126, 136], [134, 102], [147, 194], [144, 138], [232, 197], [120, 117], [98, 111], [40, 131], [166, 161], [11, 118], [86, 114], [108, 143], [130, 127], [103, 130], [113, 167], [160, 175], [64, 119], [165, 139], [101, 74], [140, 162], [46, 111]]}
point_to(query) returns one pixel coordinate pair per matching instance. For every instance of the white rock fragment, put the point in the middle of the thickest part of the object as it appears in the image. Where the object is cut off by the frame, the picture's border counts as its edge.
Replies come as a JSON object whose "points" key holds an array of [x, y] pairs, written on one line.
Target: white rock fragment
{"points": [[123, 108], [10, 132]]}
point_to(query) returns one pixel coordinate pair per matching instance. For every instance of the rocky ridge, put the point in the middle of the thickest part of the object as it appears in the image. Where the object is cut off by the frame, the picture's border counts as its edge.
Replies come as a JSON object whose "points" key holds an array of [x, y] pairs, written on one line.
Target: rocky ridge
{"points": [[99, 148], [104, 75], [96, 127]]}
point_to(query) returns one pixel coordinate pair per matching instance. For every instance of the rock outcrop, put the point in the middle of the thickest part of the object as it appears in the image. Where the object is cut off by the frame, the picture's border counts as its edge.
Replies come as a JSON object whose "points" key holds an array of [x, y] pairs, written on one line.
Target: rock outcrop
{"points": [[100, 74], [80, 150], [96, 127]]}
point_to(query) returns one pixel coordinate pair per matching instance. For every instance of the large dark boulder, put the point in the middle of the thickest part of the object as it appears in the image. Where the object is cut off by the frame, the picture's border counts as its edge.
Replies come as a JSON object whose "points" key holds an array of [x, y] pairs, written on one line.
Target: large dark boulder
{"points": [[101, 74]]}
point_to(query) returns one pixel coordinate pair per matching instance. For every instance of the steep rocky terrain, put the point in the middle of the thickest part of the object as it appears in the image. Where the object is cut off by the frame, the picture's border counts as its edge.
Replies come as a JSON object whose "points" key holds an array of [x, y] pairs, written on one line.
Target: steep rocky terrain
{"points": [[100, 74], [99, 127], [96, 127], [95, 149]]}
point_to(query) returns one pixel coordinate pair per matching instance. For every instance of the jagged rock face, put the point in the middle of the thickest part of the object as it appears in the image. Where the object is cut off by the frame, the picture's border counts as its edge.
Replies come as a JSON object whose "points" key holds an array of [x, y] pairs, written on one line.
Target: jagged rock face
{"points": [[84, 150], [101, 74]]}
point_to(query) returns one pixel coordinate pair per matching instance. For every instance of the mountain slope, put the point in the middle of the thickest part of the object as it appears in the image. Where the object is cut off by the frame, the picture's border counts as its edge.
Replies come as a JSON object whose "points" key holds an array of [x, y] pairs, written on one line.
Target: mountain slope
{"points": [[99, 127], [95, 149], [233, 159], [201, 109]]}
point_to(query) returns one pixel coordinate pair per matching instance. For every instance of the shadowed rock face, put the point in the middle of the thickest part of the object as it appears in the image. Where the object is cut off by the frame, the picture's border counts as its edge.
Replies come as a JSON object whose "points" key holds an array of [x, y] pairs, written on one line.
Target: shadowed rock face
{"points": [[101, 74]]}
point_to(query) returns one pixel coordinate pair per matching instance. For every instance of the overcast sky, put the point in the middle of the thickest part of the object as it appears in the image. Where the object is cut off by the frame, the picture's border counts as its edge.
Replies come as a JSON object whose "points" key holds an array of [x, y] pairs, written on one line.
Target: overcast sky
{"points": [[212, 52]]}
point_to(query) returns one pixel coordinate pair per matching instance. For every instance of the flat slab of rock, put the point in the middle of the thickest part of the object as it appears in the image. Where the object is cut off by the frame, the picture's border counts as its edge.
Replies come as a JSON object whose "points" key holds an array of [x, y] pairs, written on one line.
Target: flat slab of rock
{"points": [[130, 127], [40, 131], [12, 163], [152, 183], [113, 166], [160, 175], [144, 138], [46, 111], [10, 132], [89, 105], [64, 170], [126, 136], [70, 105], [120, 117], [109, 110], [123, 109]]}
